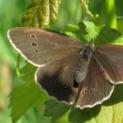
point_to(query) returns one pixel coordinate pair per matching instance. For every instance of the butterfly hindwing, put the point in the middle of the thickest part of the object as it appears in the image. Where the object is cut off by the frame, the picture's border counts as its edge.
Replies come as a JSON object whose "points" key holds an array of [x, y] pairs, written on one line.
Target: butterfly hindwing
{"points": [[57, 78], [95, 88]]}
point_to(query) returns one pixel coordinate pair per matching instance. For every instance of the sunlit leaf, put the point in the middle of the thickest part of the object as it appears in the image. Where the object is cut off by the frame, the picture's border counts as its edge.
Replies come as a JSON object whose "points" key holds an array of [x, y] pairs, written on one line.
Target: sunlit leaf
{"points": [[26, 94]]}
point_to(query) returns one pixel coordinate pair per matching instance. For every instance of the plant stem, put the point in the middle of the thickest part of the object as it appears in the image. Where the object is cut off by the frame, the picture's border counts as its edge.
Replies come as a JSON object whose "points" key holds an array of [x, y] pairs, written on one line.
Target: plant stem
{"points": [[18, 65], [110, 13]]}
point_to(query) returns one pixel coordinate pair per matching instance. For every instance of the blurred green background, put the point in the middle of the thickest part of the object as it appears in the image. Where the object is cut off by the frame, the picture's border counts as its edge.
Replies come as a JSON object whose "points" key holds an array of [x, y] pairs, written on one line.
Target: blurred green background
{"points": [[10, 16], [11, 13]]}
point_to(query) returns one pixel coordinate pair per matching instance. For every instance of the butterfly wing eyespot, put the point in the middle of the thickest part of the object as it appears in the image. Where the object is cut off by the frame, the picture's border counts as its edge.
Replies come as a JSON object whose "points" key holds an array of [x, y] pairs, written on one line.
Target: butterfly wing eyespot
{"points": [[32, 36], [66, 86], [34, 44]]}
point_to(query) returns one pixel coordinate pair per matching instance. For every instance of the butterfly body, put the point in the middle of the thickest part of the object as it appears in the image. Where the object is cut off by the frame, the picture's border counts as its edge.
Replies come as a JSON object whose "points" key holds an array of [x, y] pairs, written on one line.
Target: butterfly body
{"points": [[82, 64], [68, 71]]}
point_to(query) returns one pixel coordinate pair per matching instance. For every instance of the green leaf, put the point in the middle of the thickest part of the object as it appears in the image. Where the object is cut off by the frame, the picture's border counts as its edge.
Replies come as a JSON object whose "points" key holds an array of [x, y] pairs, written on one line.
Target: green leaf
{"points": [[84, 31], [119, 7], [55, 109], [120, 23], [26, 94], [81, 116], [34, 115], [109, 36]]}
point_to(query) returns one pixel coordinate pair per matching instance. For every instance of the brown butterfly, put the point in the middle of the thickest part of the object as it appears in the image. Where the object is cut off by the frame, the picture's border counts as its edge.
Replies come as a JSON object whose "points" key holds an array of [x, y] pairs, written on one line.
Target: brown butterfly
{"points": [[69, 71]]}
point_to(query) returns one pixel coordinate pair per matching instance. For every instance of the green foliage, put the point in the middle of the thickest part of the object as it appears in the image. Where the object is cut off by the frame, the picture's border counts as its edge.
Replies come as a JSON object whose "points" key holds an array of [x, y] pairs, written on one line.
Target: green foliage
{"points": [[8, 19], [27, 100], [41, 13], [55, 109], [69, 13], [26, 94]]}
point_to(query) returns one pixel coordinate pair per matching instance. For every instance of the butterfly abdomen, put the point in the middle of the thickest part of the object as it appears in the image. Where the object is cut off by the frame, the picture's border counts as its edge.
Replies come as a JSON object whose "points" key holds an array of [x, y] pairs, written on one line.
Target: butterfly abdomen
{"points": [[81, 68]]}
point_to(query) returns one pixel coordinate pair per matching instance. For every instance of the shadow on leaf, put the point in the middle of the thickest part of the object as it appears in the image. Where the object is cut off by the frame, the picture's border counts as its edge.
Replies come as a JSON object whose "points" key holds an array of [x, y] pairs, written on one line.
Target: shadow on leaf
{"points": [[77, 115], [116, 96]]}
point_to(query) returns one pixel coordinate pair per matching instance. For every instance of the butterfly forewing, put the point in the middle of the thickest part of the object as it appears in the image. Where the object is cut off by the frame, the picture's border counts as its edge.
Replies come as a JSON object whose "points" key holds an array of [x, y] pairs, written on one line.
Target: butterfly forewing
{"points": [[41, 47], [111, 59]]}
